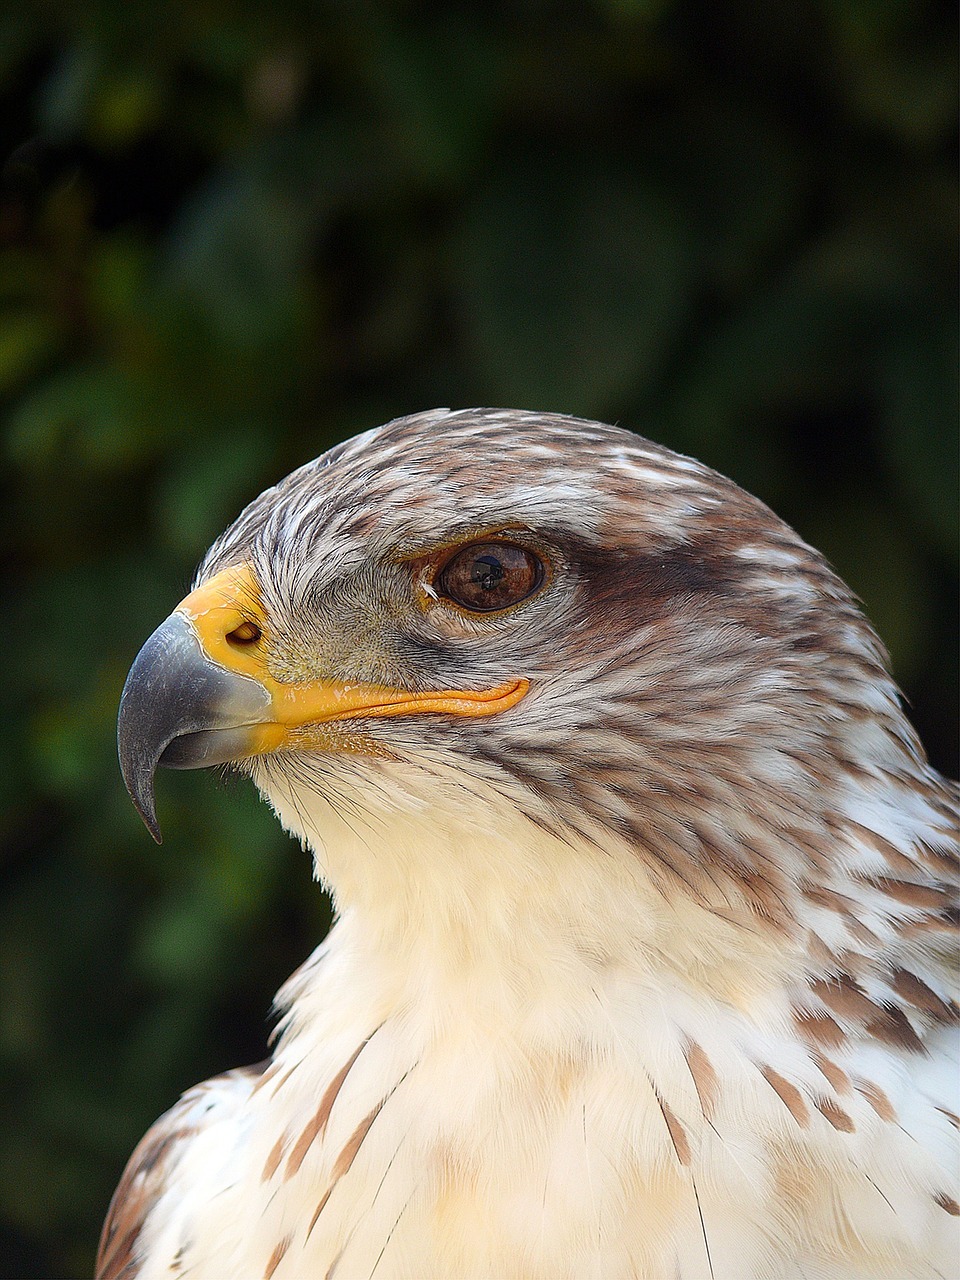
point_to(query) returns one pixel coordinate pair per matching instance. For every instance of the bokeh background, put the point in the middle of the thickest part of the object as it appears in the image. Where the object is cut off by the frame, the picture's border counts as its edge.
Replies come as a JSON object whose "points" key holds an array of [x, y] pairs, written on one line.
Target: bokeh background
{"points": [[232, 234]]}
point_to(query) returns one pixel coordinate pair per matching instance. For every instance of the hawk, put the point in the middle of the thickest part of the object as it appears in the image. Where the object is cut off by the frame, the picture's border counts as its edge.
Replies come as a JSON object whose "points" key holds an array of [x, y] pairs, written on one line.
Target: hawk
{"points": [[644, 961]]}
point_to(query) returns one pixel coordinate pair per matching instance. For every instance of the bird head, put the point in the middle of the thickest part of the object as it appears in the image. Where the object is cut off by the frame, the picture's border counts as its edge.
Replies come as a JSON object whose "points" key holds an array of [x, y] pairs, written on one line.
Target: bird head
{"points": [[503, 617]]}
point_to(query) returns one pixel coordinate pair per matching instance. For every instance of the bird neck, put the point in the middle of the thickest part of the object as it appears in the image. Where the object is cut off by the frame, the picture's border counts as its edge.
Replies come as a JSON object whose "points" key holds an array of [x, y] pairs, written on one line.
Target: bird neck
{"points": [[469, 910]]}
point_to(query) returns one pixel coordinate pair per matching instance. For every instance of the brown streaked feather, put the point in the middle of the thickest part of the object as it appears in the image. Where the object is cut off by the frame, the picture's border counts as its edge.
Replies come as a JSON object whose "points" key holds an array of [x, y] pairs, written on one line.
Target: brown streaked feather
{"points": [[788, 1093], [318, 1122], [349, 1153], [866, 937], [855, 964], [936, 897], [320, 1208], [332, 1269], [272, 1162], [818, 950], [894, 857], [830, 1071], [283, 1080], [943, 858], [845, 997], [277, 1256], [345, 1159], [146, 1175], [916, 992], [704, 1077], [877, 1099], [267, 1076], [836, 1115], [678, 1135], [948, 1203], [946, 922], [829, 899], [893, 1027], [819, 1028]]}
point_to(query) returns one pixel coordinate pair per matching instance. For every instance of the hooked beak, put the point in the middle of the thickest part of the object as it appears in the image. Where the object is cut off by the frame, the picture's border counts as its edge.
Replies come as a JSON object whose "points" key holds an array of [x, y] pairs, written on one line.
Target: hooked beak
{"points": [[200, 693]]}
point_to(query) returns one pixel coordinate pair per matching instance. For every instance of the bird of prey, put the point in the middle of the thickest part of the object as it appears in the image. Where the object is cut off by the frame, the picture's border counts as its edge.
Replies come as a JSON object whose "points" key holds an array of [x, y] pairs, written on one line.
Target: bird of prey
{"points": [[644, 961]]}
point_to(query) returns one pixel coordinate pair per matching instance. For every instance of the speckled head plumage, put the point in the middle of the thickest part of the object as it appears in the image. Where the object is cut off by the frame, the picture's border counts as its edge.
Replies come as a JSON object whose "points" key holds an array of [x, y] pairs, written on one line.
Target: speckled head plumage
{"points": [[701, 679]]}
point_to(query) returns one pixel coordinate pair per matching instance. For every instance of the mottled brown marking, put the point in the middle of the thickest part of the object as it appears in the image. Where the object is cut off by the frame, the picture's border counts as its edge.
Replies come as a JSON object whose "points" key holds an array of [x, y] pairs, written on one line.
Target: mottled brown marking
{"points": [[828, 899], [788, 1094], [893, 1027], [943, 858], [854, 963], [318, 1122], [877, 1099], [274, 1158], [912, 895], [145, 1176], [954, 1119], [819, 951], [830, 1071], [916, 991], [704, 1077], [766, 897], [819, 1028], [866, 937], [845, 997], [276, 1257], [948, 1203], [894, 857], [945, 923], [836, 1115]]}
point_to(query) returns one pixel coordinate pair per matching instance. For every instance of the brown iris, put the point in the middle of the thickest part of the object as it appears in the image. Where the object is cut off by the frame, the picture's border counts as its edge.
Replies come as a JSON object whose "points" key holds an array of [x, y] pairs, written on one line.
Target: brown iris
{"points": [[487, 576]]}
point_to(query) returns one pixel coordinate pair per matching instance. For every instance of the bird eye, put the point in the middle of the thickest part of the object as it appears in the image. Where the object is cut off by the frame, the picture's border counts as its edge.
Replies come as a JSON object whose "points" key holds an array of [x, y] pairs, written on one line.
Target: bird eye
{"points": [[488, 576]]}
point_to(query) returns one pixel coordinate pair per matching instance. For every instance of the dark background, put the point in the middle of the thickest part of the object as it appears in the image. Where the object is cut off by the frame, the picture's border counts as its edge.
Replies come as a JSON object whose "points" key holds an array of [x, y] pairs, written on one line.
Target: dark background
{"points": [[231, 234]]}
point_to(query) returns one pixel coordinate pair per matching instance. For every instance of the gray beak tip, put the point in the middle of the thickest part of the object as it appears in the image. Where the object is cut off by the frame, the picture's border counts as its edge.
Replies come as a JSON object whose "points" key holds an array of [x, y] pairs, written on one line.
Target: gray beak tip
{"points": [[181, 710], [147, 811], [143, 730], [137, 769]]}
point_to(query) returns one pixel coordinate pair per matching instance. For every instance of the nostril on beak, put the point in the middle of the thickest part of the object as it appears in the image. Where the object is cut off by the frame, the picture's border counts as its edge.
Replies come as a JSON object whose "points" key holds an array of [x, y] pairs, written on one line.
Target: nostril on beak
{"points": [[246, 634]]}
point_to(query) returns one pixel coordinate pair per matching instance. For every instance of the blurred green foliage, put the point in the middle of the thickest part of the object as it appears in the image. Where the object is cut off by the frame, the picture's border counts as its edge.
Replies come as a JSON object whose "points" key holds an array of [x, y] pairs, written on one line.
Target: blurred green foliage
{"points": [[233, 233]]}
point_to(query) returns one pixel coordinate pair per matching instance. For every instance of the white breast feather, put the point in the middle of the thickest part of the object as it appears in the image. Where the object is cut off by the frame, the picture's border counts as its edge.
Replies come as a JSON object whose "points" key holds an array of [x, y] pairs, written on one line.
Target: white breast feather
{"points": [[522, 1102]]}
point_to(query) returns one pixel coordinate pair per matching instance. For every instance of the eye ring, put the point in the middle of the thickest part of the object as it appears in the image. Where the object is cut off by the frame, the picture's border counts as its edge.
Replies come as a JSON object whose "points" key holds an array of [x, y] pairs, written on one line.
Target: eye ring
{"points": [[490, 576]]}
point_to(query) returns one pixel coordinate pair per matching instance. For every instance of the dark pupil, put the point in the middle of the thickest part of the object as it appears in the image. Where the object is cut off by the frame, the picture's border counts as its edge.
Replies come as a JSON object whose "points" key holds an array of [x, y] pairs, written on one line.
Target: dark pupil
{"points": [[487, 572]]}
